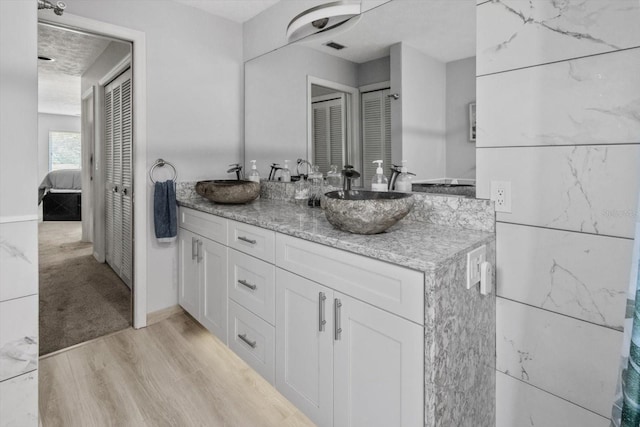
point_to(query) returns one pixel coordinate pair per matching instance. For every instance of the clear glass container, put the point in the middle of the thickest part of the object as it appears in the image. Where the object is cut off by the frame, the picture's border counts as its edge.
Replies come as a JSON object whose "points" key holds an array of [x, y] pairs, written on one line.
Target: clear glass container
{"points": [[316, 187], [334, 177]]}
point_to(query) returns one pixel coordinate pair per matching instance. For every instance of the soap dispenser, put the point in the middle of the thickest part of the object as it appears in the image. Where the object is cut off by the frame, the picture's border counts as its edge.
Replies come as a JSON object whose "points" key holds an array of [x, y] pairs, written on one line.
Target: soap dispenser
{"points": [[379, 181], [285, 173], [403, 182], [254, 175]]}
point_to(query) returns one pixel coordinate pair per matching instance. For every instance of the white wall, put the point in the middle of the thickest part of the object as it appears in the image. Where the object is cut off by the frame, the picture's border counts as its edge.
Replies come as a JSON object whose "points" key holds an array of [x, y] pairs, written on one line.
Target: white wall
{"points": [[374, 71], [47, 123], [461, 90], [18, 214], [419, 114], [276, 101], [557, 117], [194, 103]]}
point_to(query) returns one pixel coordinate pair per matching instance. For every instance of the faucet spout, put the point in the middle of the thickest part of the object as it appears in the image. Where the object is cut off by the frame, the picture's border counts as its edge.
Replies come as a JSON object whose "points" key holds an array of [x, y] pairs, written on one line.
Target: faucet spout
{"points": [[349, 174], [237, 169]]}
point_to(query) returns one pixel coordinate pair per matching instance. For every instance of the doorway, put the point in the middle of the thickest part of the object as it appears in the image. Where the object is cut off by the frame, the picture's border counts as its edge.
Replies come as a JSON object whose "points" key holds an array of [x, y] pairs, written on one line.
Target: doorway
{"points": [[81, 297]]}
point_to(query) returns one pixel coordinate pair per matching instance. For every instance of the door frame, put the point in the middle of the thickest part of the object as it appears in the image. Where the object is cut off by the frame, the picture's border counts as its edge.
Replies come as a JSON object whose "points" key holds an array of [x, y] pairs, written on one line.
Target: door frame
{"points": [[140, 219]]}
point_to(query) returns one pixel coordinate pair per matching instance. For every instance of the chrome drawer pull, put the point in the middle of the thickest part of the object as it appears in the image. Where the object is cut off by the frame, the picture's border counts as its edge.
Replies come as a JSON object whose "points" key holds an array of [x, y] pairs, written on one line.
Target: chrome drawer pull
{"points": [[246, 239], [194, 248], [247, 284], [244, 338], [321, 320], [338, 329]]}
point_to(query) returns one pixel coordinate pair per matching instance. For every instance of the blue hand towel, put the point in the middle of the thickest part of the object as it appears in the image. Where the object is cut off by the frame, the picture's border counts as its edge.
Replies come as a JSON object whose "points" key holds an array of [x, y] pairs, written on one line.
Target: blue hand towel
{"points": [[164, 211]]}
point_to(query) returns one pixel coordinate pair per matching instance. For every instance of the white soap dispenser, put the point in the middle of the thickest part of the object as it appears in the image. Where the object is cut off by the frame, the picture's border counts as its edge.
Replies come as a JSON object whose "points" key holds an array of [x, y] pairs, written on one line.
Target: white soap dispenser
{"points": [[403, 182], [254, 175], [379, 181], [285, 173]]}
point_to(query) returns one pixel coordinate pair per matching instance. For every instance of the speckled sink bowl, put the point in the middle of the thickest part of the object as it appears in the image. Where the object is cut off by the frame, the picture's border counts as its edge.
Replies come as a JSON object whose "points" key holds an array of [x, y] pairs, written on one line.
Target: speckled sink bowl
{"points": [[230, 191], [366, 212]]}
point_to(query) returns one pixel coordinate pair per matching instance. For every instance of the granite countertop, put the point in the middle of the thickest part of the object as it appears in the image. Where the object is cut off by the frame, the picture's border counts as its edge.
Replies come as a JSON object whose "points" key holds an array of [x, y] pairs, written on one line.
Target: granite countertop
{"points": [[413, 244]]}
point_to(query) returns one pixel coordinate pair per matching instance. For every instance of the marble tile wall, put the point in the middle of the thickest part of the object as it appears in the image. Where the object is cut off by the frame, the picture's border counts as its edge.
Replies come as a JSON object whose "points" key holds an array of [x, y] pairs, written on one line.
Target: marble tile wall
{"points": [[557, 102]]}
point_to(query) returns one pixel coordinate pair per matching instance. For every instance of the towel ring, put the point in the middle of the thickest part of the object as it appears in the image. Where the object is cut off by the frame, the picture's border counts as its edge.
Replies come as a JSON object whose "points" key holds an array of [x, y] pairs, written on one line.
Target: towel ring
{"points": [[161, 163]]}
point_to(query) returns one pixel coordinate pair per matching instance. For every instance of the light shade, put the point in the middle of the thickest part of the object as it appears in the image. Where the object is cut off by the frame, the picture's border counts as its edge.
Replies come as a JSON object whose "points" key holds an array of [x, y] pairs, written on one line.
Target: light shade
{"points": [[321, 18]]}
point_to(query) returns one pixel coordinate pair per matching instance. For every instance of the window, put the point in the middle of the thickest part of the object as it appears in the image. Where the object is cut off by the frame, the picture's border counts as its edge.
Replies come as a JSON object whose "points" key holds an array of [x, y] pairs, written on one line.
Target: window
{"points": [[64, 150]]}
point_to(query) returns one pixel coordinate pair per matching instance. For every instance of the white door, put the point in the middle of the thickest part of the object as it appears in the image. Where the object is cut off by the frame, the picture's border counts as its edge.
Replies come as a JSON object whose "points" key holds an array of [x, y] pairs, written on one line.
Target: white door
{"points": [[329, 133], [118, 179], [304, 355], [188, 273], [213, 279], [376, 131], [378, 368]]}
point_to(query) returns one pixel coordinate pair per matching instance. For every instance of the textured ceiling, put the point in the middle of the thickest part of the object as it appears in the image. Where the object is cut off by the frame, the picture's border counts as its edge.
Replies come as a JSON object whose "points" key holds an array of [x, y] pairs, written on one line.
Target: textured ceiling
{"points": [[59, 80]]}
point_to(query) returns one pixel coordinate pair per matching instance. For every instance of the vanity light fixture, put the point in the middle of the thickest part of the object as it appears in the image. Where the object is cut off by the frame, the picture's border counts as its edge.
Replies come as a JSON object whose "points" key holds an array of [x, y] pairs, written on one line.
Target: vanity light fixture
{"points": [[323, 18]]}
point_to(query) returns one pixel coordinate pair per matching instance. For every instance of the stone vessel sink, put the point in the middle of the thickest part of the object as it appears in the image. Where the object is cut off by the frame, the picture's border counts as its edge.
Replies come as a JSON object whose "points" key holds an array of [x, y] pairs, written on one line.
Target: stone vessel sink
{"points": [[366, 212], [228, 190]]}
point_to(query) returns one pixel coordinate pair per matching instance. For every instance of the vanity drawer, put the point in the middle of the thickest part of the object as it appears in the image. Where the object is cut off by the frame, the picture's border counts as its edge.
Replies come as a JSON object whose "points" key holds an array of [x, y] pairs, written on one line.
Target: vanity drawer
{"points": [[390, 287], [252, 284], [253, 340], [252, 240], [204, 224]]}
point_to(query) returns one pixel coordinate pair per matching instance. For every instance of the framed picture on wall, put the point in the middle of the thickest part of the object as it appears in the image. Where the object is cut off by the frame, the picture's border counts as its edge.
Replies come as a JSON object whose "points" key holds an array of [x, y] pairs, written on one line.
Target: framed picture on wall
{"points": [[472, 122]]}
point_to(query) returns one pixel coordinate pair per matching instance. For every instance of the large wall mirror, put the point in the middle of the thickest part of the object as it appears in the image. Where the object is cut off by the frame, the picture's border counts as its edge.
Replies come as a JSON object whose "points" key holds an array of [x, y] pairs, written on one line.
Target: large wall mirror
{"points": [[397, 85]]}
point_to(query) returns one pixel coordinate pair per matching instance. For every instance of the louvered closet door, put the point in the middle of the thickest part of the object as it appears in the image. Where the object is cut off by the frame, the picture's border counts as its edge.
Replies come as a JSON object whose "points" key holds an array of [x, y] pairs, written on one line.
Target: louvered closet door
{"points": [[376, 131], [118, 167], [329, 133]]}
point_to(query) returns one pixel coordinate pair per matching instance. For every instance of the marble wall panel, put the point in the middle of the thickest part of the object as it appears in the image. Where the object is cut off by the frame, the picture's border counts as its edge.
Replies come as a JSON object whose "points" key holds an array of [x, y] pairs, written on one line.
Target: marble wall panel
{"points": [[591, 189], [576, 274], [569, 358], [516, 33], [520, 404], [19, 401], [18, 336], [592, 100], [19, 259]]}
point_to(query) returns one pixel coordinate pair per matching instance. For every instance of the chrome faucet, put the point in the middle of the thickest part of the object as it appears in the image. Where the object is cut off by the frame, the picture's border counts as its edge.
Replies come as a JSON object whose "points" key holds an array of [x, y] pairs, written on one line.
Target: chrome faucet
{"points": [[301, 162], [395, 171], [235, 167], [349, 174], [275, 167]]}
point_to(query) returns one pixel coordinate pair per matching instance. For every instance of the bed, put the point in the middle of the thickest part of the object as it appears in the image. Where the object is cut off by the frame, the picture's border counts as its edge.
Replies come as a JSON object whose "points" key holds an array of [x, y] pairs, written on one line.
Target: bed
{"points": [[60, 193]]}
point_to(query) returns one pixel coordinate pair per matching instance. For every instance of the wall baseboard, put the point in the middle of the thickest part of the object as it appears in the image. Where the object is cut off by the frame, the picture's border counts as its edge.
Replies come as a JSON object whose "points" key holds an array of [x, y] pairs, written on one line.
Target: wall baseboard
{"points": [[162, 314]]}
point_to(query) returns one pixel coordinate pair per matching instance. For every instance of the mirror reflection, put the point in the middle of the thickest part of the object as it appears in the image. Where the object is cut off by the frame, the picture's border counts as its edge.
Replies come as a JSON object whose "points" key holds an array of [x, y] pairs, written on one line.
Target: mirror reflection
{"points": [[396, 86]]}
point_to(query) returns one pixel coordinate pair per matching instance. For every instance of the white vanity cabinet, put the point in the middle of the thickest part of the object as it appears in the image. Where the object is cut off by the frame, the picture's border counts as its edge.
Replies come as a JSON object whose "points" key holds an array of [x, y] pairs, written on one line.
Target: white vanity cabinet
{"points": [[342, 361], [202, 279]]}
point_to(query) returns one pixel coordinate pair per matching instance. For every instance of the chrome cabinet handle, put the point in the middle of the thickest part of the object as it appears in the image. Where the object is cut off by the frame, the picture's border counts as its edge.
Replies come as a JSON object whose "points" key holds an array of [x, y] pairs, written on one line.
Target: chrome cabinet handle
{"points": [[246, 239], [338, 329], [244, 338], [199, 250], [321, 320], [247, 284], [115, 188], [194, 248]]}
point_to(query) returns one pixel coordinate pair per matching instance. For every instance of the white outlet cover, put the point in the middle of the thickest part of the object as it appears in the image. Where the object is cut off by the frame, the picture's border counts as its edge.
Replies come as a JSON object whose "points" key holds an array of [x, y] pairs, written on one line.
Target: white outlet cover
{"points": [[475, 258], [501, 195]]}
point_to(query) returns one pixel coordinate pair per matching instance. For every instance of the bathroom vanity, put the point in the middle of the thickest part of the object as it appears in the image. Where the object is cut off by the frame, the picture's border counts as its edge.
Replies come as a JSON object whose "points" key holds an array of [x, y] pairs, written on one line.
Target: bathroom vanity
{"points": [[354, 330]]}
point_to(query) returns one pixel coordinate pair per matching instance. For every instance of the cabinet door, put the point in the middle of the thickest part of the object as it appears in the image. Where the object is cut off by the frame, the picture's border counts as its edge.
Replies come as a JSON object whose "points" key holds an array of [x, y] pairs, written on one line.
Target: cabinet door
{"points": [[188, 273], [213, 271], [304, 354], [378, 368]]}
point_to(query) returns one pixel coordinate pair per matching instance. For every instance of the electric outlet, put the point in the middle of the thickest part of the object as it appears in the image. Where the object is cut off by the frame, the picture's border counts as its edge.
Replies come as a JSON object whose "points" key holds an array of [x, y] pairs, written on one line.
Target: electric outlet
{"points": [[475, 258], [501, 195]]}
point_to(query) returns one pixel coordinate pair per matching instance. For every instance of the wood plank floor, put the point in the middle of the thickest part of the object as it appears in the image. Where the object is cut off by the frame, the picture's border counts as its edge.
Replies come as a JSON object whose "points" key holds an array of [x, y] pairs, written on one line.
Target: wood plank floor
{"points": [[172, 373]]}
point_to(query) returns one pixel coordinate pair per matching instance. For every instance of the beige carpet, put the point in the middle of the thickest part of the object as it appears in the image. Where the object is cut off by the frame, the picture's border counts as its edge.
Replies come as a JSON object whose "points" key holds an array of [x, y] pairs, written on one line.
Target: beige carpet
{"points": [[80, 298]]}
